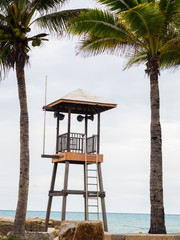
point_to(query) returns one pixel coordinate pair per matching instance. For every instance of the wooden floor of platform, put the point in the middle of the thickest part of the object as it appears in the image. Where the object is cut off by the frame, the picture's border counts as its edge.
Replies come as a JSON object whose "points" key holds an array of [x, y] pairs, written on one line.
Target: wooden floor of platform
{"points": [[77, 157]]}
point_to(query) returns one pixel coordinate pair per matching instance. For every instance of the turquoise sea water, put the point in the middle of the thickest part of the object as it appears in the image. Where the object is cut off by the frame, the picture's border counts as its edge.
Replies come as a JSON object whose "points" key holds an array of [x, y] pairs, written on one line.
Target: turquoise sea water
{"points": [[117, 222]]}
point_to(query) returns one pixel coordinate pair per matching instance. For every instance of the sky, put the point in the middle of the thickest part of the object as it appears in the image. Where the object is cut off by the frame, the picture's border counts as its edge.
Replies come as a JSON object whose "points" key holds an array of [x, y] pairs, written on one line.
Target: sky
{"points": [[125, 130]]}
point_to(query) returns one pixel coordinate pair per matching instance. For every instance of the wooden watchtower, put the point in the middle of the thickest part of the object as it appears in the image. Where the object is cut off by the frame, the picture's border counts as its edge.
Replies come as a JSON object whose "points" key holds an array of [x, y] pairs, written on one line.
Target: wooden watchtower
{"points": [[79, 148]]}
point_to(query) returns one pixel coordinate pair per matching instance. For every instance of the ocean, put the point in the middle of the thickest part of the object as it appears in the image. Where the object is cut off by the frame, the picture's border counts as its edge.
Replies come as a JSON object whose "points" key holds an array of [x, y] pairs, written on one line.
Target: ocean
{"points": [[117, 222]]}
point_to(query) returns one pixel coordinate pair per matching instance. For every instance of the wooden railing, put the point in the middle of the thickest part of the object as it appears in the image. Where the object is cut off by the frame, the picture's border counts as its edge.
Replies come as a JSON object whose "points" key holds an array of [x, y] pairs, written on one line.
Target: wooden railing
{"points": [[76, 143]]}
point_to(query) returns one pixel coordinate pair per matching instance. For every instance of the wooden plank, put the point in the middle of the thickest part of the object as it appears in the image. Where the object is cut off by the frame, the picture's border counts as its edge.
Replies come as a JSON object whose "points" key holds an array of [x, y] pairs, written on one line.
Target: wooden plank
{"points": [[50, 197], [77, 157], [55, 193], [63, 216], [50, 156], [103, 206], [80, 102], [74, 192]]}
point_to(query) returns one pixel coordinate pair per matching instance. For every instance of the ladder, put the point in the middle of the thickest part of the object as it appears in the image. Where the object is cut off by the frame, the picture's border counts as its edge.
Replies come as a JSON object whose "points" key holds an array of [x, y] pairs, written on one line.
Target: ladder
{"points": [[91, 181]]}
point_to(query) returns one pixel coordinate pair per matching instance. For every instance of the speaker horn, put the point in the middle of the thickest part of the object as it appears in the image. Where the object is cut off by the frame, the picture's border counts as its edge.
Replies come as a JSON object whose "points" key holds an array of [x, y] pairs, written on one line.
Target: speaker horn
{"points": [[80, 118], [90, 117], [59, 115]]}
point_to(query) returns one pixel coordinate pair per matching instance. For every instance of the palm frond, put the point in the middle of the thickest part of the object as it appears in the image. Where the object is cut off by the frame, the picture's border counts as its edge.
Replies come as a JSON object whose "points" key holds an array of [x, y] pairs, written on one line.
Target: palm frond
{"points": [[119, 5], [45, 5], [4, 4], [170, 8], [57, 22], [168, 45], [99, 23], [145, 20], [5, 64], [171, 58], [29, 17], [145, 1], [171, 33], [176, 22], [137, 59], [93, 45], [5, 21]]}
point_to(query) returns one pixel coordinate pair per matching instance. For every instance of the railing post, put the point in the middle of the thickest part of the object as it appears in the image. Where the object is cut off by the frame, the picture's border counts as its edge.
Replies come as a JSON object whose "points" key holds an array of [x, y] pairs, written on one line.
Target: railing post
{"points": [[86, 130], [98, 135], [69, 127], [57, 135]]}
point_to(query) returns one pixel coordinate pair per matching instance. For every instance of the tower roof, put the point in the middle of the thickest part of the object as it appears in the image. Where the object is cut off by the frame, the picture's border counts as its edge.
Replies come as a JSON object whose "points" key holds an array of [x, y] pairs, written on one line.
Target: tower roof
{"points": [[81, 102]]}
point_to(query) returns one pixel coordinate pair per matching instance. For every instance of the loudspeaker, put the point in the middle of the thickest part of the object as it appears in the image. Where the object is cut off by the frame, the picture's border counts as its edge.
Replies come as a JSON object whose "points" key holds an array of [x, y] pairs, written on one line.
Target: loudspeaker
{"points": [[60, 115], [80, 118]]}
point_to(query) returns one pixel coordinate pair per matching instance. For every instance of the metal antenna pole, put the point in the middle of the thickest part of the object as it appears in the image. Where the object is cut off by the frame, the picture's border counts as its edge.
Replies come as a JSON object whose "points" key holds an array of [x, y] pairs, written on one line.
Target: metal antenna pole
{"points": [[44, 136]]}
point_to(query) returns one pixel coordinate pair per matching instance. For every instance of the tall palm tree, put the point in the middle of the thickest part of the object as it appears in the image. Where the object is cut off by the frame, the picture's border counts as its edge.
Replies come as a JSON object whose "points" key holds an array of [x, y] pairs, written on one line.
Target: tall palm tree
{"points": [[144, 31], [16, 20]]}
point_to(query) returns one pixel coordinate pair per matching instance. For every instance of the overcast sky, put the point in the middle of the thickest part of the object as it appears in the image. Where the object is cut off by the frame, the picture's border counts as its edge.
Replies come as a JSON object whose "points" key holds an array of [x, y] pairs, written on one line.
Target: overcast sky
{"points": [[125, 131]]}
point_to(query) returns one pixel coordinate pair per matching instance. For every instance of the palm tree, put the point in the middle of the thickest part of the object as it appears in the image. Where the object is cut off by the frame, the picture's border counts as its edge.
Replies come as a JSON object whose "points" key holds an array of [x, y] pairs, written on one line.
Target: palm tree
{"points": [[16, 19], [144, 31]]}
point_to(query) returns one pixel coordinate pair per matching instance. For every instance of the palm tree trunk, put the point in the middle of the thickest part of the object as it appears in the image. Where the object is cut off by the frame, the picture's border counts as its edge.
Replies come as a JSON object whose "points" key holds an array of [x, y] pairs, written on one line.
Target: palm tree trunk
{"points": [[18, 229], [156, 177]]}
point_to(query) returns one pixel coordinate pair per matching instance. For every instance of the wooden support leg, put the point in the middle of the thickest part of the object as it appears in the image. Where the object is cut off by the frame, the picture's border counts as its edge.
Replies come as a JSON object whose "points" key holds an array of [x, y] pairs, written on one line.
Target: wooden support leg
{"points": [[65, 188], [50, 197], [102, 198], [85, 197]]}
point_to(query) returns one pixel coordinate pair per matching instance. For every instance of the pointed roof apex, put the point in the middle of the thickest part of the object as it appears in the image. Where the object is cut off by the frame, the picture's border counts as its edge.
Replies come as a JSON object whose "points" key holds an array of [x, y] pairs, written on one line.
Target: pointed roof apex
{"points": [[80, 101], [82, 95]]}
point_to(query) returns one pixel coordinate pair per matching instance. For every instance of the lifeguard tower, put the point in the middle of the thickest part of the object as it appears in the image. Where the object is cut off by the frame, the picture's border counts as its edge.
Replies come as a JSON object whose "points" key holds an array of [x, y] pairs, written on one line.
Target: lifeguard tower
{"points": [[79, 148]]}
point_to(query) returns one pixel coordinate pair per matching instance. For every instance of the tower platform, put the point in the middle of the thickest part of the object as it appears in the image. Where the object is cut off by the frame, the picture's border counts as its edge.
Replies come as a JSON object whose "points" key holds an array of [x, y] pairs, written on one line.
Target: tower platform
{"points": [[78, 158]]}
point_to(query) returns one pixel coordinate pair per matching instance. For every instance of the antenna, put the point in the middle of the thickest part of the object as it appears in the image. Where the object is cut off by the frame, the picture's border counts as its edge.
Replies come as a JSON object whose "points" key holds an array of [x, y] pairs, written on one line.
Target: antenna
{"points": [[44, 136]]}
